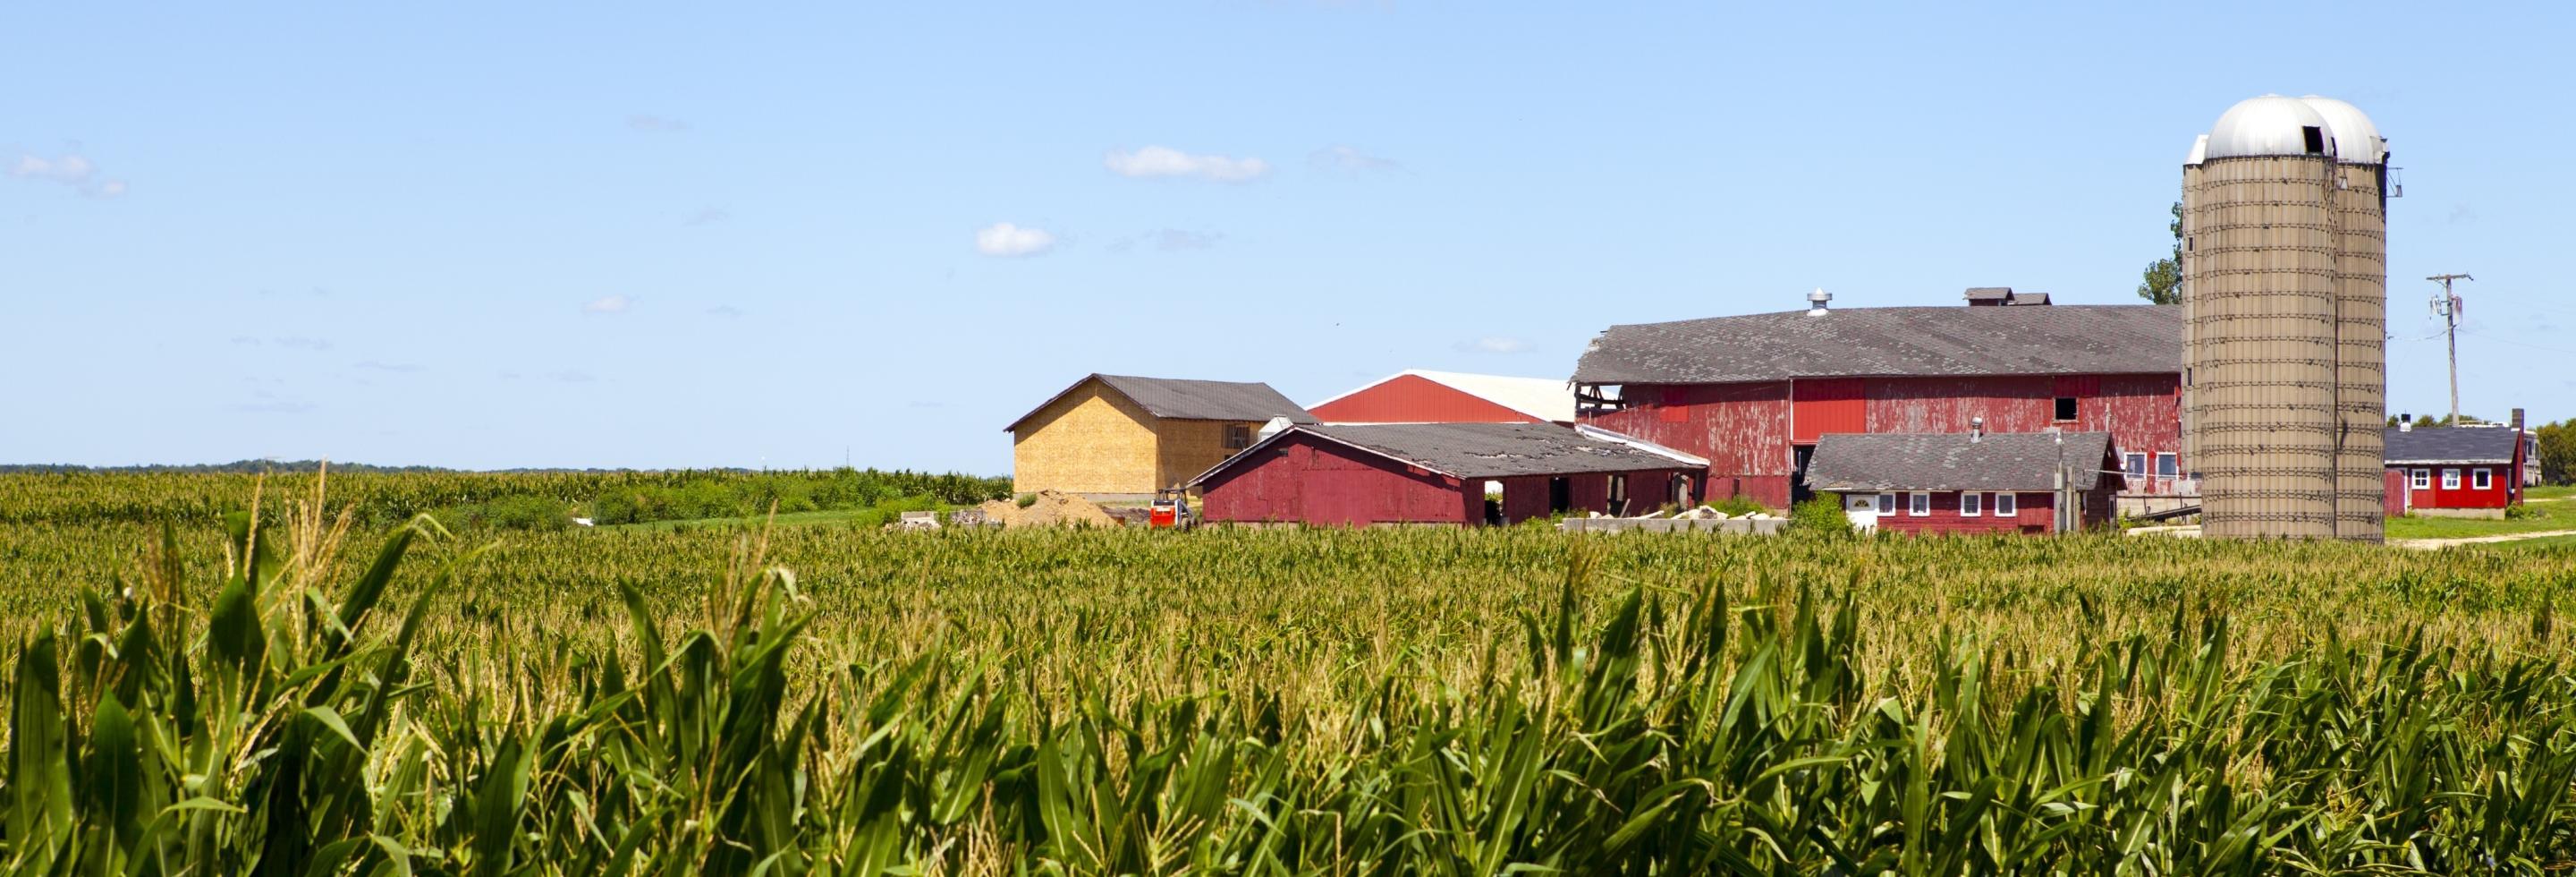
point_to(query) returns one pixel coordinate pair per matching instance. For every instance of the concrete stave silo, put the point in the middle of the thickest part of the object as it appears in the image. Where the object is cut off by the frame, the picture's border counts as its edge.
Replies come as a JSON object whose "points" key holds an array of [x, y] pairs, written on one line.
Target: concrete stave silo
{"points": [[2283, 298]]}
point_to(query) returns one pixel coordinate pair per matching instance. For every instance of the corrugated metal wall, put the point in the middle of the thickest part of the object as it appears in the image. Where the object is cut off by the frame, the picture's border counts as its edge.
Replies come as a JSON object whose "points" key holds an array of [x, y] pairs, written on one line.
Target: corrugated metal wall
{"points": [[2361, 374]]}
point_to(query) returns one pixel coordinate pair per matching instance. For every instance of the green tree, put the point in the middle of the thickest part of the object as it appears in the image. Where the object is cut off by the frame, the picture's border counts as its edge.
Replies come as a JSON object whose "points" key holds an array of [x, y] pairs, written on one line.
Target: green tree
{"points": [[2162, 283], [2558, 452]]}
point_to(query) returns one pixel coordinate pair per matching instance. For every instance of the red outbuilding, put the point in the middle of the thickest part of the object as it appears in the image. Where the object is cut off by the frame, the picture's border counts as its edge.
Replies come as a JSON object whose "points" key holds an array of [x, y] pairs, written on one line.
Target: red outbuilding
{"points": [[1420, 396], [2464, 471], [1756, 394], [1967, 482], [1441, 473]]}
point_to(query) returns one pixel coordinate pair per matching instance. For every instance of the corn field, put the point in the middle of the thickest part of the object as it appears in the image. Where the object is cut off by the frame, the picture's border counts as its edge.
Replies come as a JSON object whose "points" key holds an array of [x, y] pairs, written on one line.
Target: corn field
{"points": [[297, 691]]}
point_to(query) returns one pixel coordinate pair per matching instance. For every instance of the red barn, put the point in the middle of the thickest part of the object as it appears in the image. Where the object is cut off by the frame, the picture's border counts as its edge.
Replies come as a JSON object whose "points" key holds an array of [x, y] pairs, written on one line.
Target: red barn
{"points": [[1968, 483], [2459, 471], [1440, 473], [1755, 394], [1420, 396]]}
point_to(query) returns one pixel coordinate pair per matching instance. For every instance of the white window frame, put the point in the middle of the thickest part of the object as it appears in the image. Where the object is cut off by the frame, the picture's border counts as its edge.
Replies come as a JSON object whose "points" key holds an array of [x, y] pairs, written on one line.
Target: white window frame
{"points": [[2167, 465], [2007, 505], [1972, 505], [2134, 464], [2420, 479], [2482, 478], [2450, 478], [1918, 505], [1887, 504]]}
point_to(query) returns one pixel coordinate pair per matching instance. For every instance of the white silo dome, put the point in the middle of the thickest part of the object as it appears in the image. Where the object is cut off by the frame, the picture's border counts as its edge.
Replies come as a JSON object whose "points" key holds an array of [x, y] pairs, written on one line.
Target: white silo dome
{"points": [[2355, 138], [2267, 125]]}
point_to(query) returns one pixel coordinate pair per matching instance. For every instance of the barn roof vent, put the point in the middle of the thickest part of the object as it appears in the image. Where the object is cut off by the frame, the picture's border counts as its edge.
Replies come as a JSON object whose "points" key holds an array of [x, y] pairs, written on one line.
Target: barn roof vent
{"points": [[1816, 302]]}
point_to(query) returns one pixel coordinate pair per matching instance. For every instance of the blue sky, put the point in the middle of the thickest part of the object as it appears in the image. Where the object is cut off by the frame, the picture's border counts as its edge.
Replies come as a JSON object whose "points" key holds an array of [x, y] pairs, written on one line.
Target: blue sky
{"points": [[621, 235]]}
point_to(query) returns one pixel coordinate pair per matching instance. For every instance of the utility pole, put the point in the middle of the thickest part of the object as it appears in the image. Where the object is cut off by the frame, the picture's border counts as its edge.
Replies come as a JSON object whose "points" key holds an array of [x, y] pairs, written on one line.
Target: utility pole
{"points": [[2447, 307]]}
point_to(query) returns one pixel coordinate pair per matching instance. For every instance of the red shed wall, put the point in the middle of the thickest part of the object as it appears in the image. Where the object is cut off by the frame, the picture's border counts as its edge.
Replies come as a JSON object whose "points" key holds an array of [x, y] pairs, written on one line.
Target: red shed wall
{"points": [[2034, 515], [1827, 406], [1300, 478], [2393, 500], [1415, 399], [1743, 430], [2497, 495]]}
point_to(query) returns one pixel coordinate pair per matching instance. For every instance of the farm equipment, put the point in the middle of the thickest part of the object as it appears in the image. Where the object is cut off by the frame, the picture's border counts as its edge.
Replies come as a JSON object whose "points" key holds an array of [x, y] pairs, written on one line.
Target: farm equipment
{"points": [[1171, 508]]}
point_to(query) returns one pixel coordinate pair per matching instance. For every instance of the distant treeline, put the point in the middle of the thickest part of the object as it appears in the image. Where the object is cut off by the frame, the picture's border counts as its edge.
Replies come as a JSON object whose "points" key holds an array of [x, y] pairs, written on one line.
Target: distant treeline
{"points": [[519, 500]]}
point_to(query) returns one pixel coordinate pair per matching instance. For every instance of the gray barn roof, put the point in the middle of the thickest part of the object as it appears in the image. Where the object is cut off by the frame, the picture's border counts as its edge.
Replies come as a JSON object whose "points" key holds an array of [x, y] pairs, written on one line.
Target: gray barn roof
{"points": [[2456, 444], [1863, 342], [1177, 399], [1949, 461], [1485, 450]]}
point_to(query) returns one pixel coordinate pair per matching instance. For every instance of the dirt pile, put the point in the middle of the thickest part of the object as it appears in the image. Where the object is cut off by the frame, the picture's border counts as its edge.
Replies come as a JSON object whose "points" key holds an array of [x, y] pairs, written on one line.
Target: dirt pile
{"points": [[1051, 510]]}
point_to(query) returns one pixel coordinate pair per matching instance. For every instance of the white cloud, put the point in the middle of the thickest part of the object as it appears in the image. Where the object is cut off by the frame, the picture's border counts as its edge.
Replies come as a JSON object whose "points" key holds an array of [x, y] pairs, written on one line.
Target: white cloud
{"points": [[1351, 159], [69, 169], [726, 311], [607, 304], [1173, 240], [1495, 344], [1164, 161], [1005, 239]]}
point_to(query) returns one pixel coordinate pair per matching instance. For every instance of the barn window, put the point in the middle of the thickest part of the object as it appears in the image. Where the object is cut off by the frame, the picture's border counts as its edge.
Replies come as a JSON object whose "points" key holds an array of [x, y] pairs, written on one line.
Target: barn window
{"points": [[1970, 504], [1887, 503], [2450, 479], [1238, 436], [2134, 464], [1619, 495], [2066, 408], [2166, 465], [2007, 505], [2420, 479], [1918, 505], [2315, 137], [2482, 479]]}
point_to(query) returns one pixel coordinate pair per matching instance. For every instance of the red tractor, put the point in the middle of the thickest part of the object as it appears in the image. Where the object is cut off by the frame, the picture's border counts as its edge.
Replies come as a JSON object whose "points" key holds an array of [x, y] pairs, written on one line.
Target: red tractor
{"points": [[1171, 509]]}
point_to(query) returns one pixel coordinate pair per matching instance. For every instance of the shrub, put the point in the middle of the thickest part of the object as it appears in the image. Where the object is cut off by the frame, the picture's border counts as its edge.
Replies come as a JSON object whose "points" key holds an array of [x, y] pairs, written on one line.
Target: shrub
{"points": [[2519, 511], [1738, 506], [1821, 515], [1028, 499]]}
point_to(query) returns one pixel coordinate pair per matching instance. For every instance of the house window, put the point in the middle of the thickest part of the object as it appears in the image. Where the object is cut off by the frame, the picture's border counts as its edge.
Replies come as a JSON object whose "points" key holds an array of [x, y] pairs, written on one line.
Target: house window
{"points": [[2482, 479], [2065, 408], [1887, 503], [2420, 479], [2134, 464], [2007, 505], [2450, 479], [1918, 505], [1238, 436], [1969, 505], [2166, 465]]}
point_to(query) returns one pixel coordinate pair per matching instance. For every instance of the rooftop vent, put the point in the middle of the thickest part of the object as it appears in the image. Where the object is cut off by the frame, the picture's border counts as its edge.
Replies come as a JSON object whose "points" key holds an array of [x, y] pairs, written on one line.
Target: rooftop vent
{"points": [[1816, 302]]}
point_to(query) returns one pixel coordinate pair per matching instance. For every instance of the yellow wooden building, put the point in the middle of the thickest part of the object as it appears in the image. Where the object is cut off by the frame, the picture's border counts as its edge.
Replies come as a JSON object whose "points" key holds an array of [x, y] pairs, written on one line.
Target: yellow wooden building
{"points": [[1118, 437]]}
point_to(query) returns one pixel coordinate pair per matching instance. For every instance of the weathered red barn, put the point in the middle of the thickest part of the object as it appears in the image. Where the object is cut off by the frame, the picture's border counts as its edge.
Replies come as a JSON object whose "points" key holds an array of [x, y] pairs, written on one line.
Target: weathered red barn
{"points": [[1422, 396], [1440, 473], [1967, 482], [2473, 471], [1754, 394]]}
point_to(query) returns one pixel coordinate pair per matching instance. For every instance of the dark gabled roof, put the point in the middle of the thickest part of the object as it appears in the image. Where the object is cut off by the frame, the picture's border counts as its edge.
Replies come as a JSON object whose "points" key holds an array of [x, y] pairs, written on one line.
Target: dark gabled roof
{"points": [[1865, 342], [1177, 399], [1951, 461], [1488, 450], [2452, 444]]}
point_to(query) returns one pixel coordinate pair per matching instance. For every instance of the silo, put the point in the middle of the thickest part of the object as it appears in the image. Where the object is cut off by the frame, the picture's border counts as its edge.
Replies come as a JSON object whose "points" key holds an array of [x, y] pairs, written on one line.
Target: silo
{"points": [[2283, 288], [2361, 300]]}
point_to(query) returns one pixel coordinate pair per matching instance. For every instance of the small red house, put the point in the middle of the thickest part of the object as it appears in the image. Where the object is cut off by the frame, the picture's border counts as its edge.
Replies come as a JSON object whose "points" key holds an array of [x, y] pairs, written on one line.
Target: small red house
{"points": [[2460, 471], [1966, 482], [1419, 396], [1441, 473]]}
